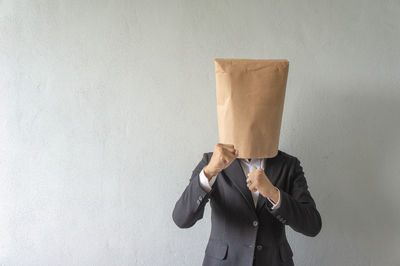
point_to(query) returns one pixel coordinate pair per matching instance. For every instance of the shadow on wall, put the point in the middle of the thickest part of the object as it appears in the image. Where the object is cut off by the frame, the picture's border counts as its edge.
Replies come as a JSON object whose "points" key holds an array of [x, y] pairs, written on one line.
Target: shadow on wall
{"points": [[354, 135]]}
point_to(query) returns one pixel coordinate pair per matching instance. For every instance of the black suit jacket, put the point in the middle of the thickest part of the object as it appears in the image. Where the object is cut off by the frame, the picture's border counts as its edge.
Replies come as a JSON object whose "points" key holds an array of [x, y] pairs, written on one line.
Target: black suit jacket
{"points": [[242, 234]]}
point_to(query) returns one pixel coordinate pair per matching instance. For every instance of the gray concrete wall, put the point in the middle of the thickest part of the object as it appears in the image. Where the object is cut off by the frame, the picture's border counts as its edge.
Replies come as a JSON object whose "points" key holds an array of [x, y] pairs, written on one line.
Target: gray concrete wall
{"points": [[107, 106]]}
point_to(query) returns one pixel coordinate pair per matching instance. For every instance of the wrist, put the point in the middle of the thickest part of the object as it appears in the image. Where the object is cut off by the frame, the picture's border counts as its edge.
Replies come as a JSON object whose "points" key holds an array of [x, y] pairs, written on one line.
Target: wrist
{"points": [[209, 173], [273, 194]]}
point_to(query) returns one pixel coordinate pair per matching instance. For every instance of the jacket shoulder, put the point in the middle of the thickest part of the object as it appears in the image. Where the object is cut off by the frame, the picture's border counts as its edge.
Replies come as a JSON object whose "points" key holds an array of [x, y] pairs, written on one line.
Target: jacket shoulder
{"points": [[289, 157], [208, 155]]}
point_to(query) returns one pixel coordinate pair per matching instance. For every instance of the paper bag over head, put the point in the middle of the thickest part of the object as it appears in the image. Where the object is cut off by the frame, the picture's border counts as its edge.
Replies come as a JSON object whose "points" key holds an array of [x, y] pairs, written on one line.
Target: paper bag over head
{"points": [[250, 98]]}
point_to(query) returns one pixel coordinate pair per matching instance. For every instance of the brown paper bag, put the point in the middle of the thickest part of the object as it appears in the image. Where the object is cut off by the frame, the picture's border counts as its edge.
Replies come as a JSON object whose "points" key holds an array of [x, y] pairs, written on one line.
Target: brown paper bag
{"points": [[250, 99]]}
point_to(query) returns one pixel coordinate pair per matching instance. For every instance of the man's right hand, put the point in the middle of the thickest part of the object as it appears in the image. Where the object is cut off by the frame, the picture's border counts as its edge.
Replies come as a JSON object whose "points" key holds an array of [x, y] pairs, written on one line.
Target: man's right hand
{"points": [[222, 157]]}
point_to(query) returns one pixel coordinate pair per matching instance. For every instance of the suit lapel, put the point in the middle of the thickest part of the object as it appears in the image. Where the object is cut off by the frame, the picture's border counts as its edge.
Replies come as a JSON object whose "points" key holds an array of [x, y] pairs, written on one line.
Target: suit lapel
{"points": [[235, 172]]}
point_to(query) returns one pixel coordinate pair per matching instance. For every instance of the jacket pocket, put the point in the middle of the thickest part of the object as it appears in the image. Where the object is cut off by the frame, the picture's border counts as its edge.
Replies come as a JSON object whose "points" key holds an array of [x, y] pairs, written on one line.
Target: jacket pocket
{"points": [[217, 249], [285, 251]]}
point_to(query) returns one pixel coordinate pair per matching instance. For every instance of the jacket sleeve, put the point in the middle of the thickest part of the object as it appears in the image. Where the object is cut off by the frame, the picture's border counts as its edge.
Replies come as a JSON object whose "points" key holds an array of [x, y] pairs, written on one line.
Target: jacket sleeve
{"points": [[190, 206], [298, 209]]}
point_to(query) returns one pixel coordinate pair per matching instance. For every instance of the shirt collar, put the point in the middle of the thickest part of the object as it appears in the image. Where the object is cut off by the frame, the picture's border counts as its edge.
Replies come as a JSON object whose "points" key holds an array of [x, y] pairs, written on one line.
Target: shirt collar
{"points": [[255, 161]]}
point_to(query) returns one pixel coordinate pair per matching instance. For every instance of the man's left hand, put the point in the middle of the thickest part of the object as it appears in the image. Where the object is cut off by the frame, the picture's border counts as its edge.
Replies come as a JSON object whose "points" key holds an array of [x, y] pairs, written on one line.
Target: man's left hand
{"points": [[260, 181]]}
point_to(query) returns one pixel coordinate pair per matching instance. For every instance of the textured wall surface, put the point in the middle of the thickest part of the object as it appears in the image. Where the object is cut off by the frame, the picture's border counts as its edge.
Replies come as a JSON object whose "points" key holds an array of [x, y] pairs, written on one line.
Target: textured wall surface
{"points": [[106, 107]]}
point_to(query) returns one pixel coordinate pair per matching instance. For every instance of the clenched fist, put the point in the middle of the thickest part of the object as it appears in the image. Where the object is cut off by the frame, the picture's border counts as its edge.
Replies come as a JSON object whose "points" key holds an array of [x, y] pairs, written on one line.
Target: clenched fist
{"points": [[222, 157], [258, 180]]}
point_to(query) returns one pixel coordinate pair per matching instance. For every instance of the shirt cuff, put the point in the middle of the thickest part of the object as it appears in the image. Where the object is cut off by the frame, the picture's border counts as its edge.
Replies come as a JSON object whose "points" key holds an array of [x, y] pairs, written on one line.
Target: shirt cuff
{"points": [[204, 183], [278, 204]]}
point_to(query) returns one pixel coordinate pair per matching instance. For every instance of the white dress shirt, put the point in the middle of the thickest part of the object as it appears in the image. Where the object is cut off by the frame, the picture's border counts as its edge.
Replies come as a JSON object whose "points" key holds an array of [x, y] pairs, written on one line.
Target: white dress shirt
{"points": [[248, 166]]}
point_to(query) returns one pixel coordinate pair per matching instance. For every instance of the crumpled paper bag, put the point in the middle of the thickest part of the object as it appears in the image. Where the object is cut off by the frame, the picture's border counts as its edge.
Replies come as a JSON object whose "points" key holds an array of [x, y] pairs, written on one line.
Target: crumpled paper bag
{"points": [[250, 98]]}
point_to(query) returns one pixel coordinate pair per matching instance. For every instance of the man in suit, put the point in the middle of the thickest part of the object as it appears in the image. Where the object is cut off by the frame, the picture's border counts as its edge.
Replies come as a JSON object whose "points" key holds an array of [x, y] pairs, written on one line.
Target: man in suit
{"points": [[251, 202]]}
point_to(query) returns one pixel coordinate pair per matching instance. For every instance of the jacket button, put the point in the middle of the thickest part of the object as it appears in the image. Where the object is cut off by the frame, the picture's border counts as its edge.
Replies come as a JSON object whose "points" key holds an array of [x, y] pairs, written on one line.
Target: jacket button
{"points": [[200, 198], [198, 202], [259, 247], [255, 223]]}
